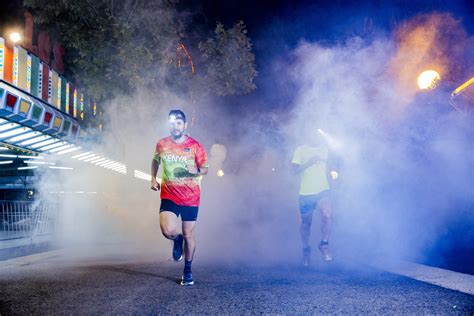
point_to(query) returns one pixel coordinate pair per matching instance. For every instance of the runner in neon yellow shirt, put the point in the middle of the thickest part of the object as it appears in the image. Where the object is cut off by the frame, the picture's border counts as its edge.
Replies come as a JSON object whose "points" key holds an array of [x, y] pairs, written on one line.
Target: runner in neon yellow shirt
{"points": [[309, 161]]}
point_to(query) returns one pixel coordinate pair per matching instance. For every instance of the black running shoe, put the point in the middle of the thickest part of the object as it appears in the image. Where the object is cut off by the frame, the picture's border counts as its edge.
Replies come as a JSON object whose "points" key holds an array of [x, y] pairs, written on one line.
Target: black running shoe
{"points": [[178, 248], [187, 278]]}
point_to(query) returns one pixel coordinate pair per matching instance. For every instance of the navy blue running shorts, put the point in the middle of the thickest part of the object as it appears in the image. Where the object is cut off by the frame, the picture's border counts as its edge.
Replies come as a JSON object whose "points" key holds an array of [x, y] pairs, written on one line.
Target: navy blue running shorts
{"points": [[308, 203], [187, 213]]}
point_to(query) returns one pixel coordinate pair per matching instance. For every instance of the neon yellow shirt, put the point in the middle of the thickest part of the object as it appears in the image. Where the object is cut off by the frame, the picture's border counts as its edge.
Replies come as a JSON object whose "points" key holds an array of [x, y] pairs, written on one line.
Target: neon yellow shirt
{"points": [[313, 178]]}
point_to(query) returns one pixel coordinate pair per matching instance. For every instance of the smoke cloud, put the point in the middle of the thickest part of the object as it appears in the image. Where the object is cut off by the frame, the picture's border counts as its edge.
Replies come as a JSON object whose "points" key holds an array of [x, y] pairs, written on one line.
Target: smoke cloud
{"points": [[402, 167], [404, 171]]}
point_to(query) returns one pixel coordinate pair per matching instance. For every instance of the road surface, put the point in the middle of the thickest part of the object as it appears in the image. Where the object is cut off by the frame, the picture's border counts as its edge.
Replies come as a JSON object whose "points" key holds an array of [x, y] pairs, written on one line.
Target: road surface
{"points": [[57, 285]]}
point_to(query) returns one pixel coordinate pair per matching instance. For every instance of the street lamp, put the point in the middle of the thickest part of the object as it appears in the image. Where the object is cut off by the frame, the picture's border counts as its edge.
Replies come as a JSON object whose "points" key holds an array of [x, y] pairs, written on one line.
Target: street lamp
{"points": [[428, 79], [15, 37]]}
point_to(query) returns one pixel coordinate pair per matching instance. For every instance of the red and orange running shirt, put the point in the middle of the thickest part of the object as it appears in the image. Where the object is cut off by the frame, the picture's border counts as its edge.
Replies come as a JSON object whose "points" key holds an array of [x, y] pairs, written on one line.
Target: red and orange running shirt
{"points": [[177, 184]]}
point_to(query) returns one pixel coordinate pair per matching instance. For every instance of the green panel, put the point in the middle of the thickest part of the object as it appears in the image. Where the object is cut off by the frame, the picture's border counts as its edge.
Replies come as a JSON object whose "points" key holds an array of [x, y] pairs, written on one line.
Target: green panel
{"points": [[37, 111], [66, 126], [35, 64]]}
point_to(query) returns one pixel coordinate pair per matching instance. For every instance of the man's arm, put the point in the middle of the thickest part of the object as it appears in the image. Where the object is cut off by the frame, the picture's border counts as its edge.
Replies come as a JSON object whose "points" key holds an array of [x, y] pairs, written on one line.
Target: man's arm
{"points": [[155, 165], [300, 168], [200, 165], [196, 171]]}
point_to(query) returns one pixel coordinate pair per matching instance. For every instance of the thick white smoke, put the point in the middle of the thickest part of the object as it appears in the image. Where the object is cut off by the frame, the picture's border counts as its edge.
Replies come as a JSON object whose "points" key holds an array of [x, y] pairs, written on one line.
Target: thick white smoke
{"points": [[403, 170], [402, 162]]}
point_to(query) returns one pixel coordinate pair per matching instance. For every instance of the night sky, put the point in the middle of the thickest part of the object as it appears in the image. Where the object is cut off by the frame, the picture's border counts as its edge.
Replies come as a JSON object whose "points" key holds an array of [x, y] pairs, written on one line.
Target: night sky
{"points": [[276, 27], [285, 23]]}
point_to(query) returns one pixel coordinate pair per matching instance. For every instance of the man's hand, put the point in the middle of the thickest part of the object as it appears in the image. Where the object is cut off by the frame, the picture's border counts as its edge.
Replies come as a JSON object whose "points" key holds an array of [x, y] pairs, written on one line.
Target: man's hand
{"points": [[155, 186], [192, 169]]}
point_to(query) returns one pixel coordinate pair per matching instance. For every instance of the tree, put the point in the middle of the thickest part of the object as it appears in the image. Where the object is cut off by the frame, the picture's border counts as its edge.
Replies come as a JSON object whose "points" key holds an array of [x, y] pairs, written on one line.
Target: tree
{"points": [[114, 46], [230, 63]]}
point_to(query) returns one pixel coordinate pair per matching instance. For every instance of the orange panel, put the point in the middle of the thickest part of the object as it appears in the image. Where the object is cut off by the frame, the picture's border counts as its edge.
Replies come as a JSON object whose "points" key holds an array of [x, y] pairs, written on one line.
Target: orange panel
{"points": [[8, 70]]}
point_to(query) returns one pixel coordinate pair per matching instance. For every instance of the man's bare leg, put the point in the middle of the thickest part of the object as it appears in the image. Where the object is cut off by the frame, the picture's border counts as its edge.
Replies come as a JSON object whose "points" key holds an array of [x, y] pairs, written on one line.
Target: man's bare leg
{"points": [[324, 206], [305, 230], [189, 249], [169, 229], [189, 241], [169, 224]]}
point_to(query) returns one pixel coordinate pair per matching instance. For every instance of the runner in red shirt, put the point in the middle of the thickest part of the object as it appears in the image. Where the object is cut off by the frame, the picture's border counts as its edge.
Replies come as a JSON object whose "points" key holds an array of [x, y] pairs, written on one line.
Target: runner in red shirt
{"points": [[184, 162]]}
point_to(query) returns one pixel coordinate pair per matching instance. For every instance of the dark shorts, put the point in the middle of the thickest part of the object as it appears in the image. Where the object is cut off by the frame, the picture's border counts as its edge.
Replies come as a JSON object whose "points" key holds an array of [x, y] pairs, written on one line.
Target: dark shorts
{"points": [[308, 203], [188, 213]]}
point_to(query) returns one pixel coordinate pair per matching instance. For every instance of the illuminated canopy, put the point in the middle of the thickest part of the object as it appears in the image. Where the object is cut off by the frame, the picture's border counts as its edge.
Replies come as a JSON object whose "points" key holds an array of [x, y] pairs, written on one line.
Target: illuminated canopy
{"points": [[28, 122]]}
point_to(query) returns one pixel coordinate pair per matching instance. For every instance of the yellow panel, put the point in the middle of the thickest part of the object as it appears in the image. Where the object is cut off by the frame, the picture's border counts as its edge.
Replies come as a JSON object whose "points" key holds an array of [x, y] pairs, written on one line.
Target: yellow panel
{"points": [[24, 106], [57, 122]]}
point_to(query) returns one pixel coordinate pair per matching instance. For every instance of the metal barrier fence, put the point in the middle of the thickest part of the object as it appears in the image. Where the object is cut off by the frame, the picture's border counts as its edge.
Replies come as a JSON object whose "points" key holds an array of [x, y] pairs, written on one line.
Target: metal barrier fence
{"points": [[22, 219]]}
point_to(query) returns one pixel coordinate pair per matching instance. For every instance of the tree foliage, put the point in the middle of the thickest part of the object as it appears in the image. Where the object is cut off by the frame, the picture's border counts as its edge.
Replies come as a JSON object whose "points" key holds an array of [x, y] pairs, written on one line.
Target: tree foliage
{"points": [[114, 46], [230, 63]]}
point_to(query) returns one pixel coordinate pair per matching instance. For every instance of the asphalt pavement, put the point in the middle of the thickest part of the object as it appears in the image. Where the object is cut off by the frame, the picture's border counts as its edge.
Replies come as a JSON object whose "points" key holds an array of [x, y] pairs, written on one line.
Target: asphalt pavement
{"points": [[55, 285]]}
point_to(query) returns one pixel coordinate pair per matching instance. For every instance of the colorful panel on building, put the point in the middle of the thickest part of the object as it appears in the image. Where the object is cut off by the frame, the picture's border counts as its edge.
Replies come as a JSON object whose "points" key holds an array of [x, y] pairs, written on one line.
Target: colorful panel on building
{"points": [[50, 87], [35, 75], [28, 73], [67, 97], [6, 63], [54, 88], [25, 106], [58, 105], [2, 57], [72, 88], [15, 66], [63, 94], [45, 83], [81, 107], [22, 68], [40, 80], [34, 116]]}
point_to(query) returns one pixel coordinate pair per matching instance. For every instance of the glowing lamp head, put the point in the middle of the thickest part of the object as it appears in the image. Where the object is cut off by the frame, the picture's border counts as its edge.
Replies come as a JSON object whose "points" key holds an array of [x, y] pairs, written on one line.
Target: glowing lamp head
{"points": [[334, 175], [428, 79], [15, 37], [220, 173]]}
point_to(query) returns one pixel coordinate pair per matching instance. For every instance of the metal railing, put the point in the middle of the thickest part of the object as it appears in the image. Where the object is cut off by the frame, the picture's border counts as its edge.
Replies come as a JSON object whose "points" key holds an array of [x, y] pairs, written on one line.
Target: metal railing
{"points": [[23, 219]]}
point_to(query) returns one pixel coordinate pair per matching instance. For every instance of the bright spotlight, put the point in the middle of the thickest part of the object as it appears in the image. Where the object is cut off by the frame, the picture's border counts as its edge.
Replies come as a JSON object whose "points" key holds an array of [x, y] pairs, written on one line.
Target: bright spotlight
{"points": [[15, 37], [220, 173], [334, 175], [332, 142], [428, 79]]}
